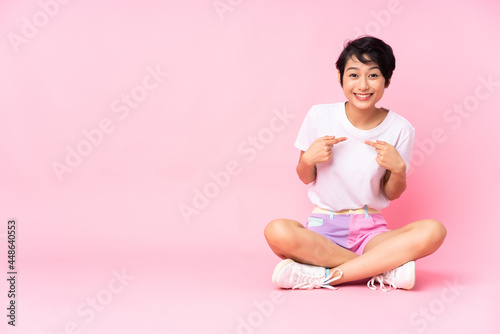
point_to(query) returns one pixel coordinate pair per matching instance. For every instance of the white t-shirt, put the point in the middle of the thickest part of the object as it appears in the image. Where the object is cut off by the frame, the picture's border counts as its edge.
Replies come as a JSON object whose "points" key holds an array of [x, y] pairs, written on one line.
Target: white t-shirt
{"points": [[352, 178]]}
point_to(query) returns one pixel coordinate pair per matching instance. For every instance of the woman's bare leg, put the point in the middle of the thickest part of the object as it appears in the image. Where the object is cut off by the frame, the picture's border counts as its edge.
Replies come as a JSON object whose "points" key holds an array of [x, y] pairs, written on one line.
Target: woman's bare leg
{"points": [[289, 239]]}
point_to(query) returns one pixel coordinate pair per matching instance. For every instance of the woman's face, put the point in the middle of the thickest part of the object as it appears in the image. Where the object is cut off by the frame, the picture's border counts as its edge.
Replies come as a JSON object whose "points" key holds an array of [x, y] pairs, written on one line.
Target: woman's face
{"points": [[364, 84]]}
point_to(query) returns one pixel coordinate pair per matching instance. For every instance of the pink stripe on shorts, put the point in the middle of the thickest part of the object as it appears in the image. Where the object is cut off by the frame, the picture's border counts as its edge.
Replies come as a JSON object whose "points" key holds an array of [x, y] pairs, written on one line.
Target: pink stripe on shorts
{"points": [[351, 231]]}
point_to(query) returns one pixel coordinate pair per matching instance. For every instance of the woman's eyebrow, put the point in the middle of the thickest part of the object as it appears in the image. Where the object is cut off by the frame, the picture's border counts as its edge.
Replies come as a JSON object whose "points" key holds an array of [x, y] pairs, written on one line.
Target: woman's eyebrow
{"points": [[355, 68]]}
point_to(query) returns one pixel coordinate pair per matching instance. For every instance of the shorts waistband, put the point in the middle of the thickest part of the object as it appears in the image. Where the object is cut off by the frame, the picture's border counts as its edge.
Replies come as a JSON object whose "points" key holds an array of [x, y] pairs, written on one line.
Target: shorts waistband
{"points": [[360, 211]]}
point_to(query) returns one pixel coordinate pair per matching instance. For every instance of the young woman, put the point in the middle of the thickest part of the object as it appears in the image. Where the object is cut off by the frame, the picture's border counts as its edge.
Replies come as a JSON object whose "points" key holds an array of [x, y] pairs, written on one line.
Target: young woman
{"points": [[356, 156]]}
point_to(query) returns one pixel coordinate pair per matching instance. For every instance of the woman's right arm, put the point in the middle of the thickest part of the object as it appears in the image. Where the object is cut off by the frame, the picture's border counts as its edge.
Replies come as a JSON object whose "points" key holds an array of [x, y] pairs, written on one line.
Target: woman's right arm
{"points": [[319, 151], [306, 172]]}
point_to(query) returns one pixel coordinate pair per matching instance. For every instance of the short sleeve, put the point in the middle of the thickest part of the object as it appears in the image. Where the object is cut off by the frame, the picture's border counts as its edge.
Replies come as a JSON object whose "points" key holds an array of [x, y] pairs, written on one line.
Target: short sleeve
{"points": [[308, 131], [405, 147]]}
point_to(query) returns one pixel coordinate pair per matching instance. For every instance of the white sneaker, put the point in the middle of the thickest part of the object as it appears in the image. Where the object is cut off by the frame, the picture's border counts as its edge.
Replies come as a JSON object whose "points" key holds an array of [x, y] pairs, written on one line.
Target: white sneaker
{"points": [[402, 277], [289, 274]]}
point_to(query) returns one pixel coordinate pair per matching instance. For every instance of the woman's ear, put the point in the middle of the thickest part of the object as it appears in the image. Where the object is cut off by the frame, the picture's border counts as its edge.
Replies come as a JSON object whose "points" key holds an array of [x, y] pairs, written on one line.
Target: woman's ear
{"points": [[340, 81], [388, 83]]}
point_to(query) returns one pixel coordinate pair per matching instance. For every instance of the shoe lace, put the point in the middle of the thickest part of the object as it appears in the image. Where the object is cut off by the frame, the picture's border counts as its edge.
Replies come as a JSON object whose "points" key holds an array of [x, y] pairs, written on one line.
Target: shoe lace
{"points": [[309, 281], [387, 278]]}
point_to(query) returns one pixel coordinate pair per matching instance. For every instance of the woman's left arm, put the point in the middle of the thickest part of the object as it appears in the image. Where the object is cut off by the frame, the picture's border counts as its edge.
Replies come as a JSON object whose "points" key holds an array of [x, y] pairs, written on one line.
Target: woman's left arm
{"points": [[395, 177]]}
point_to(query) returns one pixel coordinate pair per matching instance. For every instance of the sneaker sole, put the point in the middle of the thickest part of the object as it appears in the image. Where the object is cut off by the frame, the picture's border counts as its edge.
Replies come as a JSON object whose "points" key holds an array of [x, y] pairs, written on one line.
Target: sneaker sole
{"points": [[278, 268]]}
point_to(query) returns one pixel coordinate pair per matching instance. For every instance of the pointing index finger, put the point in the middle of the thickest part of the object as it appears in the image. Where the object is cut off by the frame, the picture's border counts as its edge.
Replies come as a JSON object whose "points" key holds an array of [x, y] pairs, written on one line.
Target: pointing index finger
{"points": [[371, 143], [338, 140]]}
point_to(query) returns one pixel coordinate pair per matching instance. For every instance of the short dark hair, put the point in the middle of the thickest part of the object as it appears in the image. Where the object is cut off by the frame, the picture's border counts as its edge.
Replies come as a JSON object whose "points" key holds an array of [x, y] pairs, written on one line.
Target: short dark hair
{"points": [[368, 49]]}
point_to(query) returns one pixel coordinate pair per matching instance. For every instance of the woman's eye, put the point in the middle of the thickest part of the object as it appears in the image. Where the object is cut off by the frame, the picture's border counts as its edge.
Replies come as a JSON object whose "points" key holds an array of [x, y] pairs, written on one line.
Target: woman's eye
{"points": [[353, 75], [373, 75]]}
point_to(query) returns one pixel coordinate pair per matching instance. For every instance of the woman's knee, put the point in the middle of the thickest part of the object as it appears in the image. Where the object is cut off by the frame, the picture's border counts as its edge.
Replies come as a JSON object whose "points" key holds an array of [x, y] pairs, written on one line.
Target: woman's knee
{"points": [[433, 233], [279, 231]]}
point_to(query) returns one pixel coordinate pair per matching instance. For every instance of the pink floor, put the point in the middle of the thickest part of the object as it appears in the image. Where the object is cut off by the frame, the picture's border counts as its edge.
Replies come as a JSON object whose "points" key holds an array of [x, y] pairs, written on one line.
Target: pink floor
{"points": [[195, 294], [225, 288]]}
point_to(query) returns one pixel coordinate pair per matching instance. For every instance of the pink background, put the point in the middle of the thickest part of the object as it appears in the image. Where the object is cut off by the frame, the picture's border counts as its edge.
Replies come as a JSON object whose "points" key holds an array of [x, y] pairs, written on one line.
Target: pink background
{"points": [[230, 71]]}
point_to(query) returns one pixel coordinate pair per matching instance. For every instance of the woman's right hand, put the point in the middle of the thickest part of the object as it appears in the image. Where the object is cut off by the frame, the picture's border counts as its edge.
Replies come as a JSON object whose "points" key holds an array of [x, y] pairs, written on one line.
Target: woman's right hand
{"points": [[321, 150]]}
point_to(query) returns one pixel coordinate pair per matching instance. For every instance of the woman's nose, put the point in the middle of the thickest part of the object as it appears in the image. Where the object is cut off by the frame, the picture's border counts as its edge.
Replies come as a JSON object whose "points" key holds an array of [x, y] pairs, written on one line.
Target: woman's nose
{"points": [[363, 84]]}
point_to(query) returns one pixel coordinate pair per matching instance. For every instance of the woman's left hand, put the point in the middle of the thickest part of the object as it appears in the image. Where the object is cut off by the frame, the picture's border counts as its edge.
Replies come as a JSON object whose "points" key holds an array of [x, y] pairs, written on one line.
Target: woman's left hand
{"points": [[388, 157]]}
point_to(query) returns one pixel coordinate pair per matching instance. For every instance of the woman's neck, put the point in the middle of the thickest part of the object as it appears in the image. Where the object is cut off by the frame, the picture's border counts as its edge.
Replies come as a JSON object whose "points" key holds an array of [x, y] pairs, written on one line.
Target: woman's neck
{"points": [[365, 119]]}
